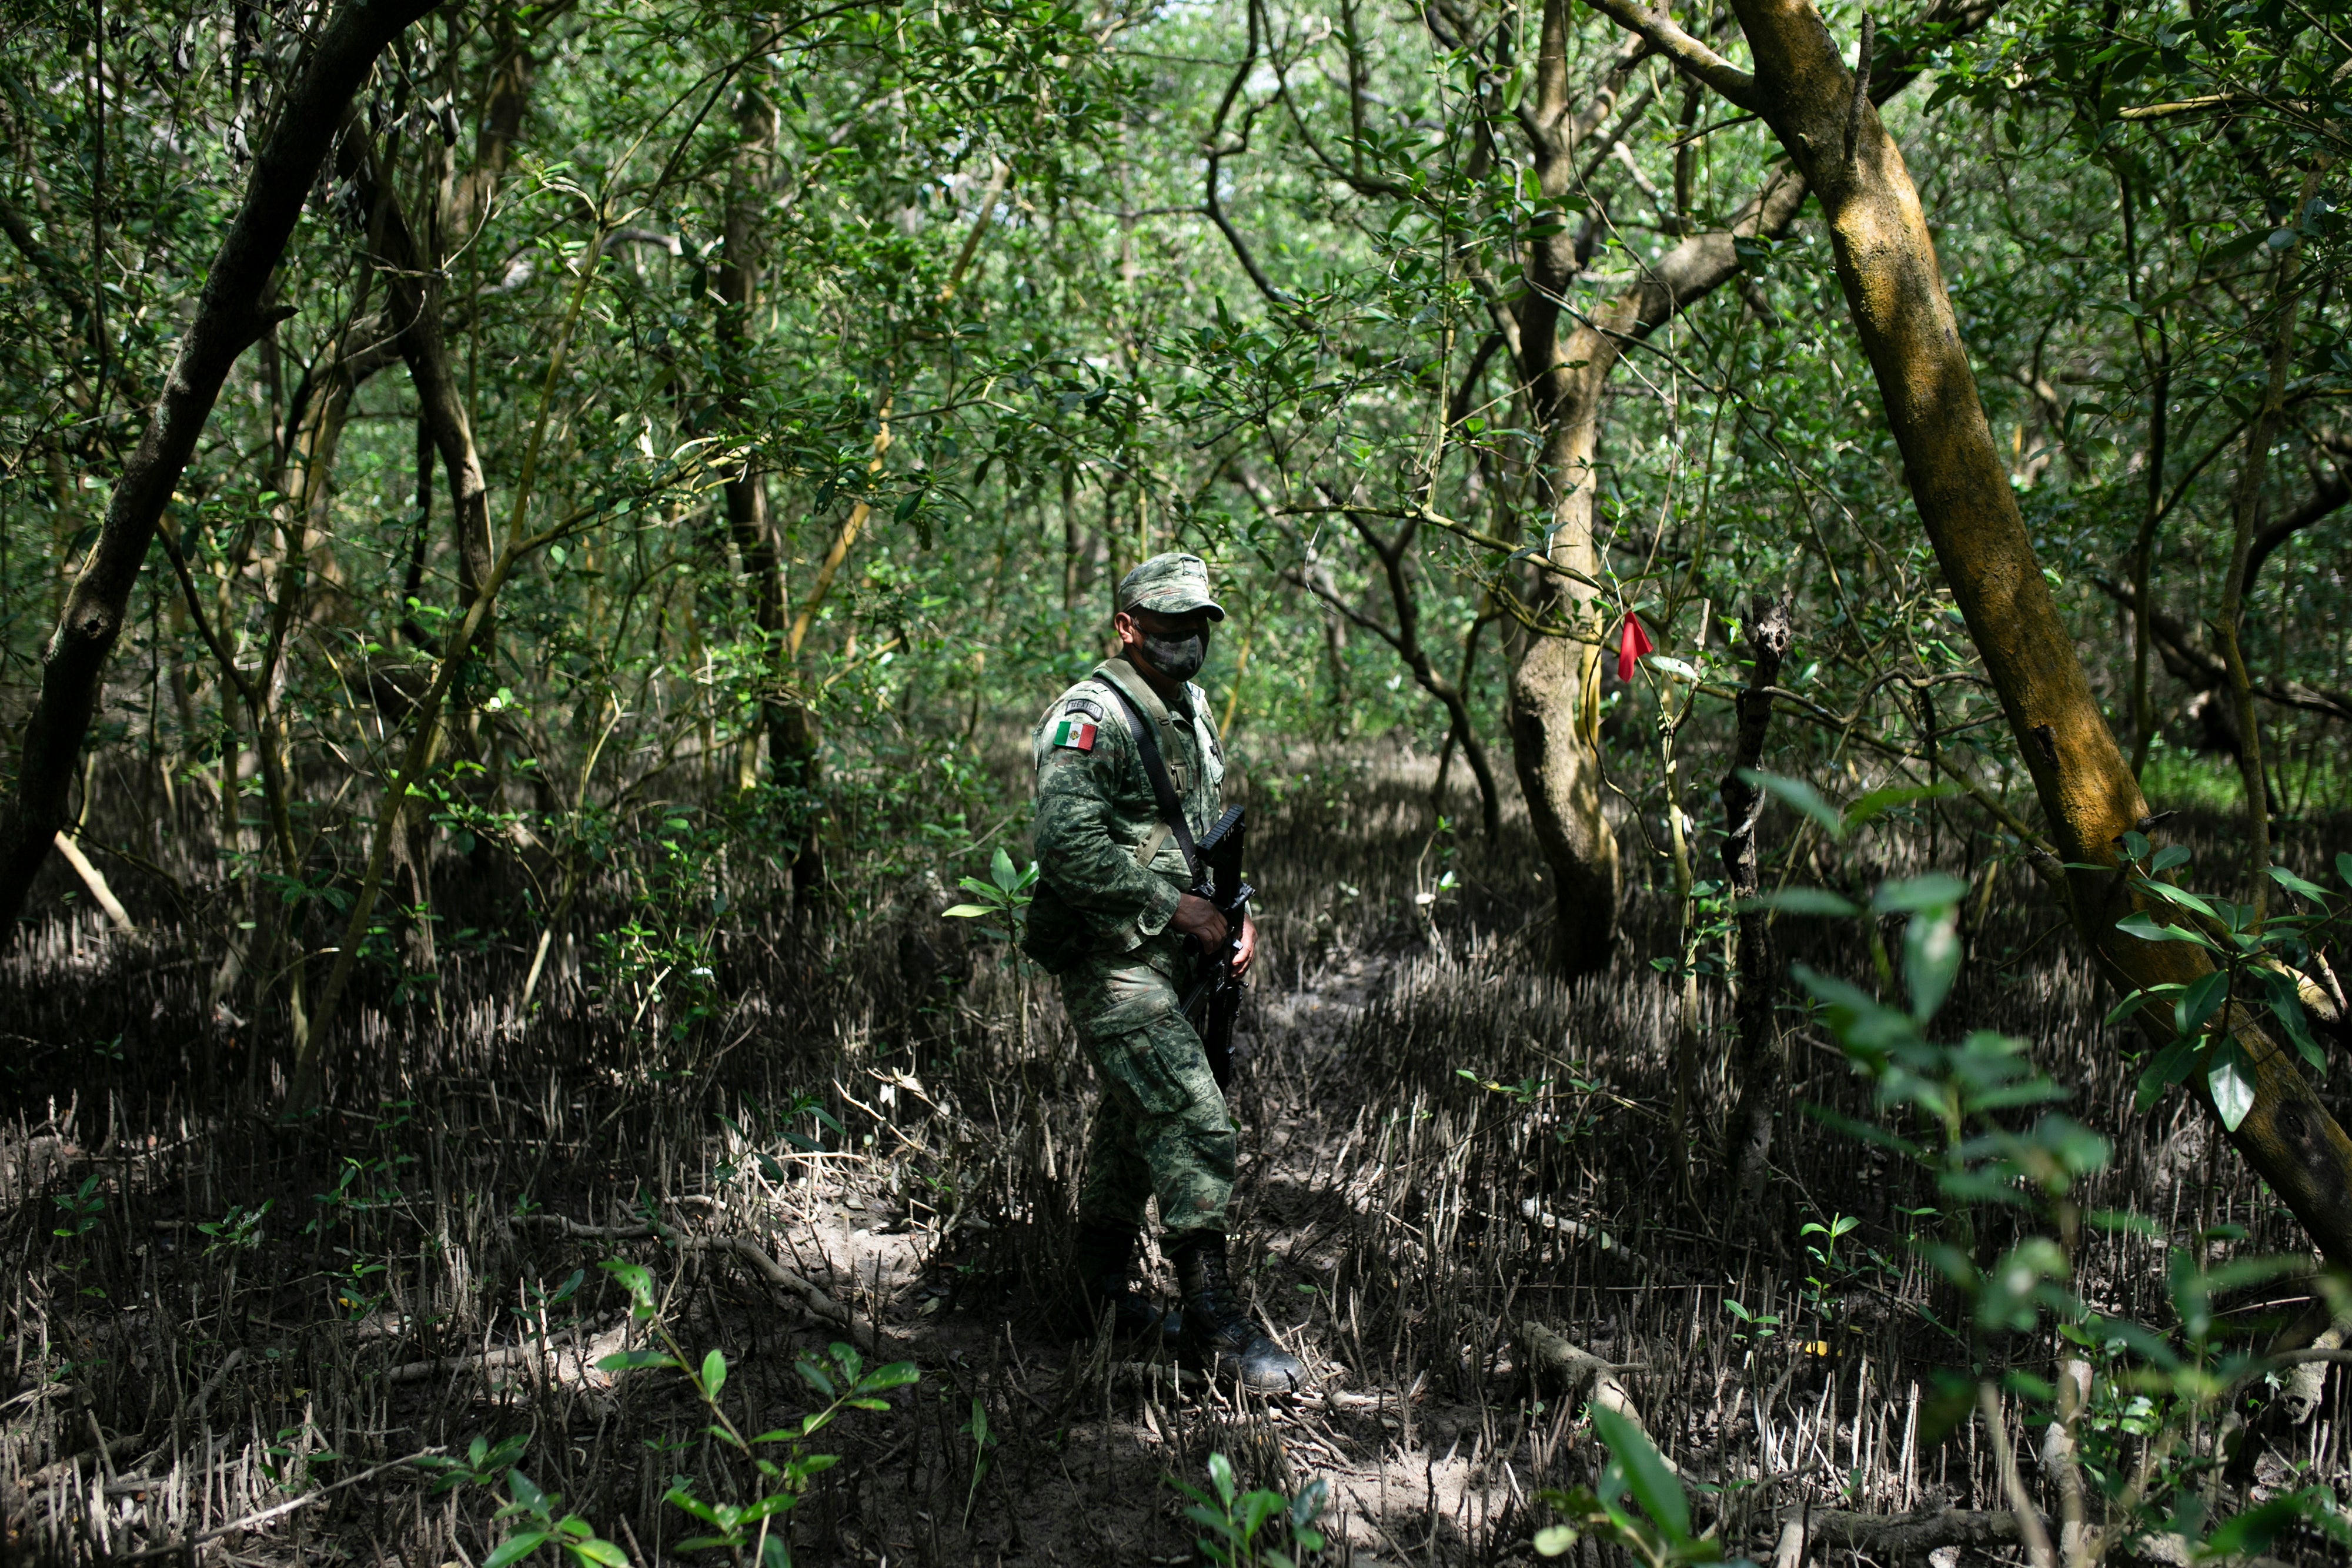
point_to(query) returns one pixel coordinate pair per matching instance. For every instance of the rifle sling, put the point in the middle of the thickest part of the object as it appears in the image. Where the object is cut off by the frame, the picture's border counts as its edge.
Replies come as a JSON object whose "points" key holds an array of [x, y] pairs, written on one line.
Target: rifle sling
{"points": [[1163, 789]]}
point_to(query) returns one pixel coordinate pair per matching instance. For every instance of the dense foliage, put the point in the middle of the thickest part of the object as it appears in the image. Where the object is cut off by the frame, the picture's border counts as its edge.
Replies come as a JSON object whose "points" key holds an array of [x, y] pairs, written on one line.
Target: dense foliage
{"points": [[683, 446]]}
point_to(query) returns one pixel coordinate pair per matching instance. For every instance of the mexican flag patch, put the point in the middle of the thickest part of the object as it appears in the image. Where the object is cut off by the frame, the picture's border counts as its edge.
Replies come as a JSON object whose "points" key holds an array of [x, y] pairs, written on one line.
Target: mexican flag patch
{"points": [[1075, 731]]}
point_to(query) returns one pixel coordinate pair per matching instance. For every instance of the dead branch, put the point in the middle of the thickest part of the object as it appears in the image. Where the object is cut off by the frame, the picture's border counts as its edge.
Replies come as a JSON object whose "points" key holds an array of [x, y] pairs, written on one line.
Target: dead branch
{"points": [[1581, 1372], [1823, 1532], [811, 1294]]}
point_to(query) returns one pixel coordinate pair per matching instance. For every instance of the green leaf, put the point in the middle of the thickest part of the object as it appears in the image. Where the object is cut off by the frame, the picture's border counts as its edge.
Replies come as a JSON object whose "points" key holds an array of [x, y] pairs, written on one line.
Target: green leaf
{"points": [[526, 1492], [1878, 802], [1800, 795], [1655, 1486], [595, 1549], [630, 1360], [896, 1374], [2231, 1080], [2344, 866], [2197, 1004], [2256, 1528], [2167, 857], [1937, 890], [515, 1548], [2294, 883], [1931, 958], [2120, 1220], [967, 911], [1221, 1472], [714, 1375], [2287, 1005], [2171, 1065], [1805, 901], [2136, 1001], [2147, 930], [2180, 896], [633, 1278]]}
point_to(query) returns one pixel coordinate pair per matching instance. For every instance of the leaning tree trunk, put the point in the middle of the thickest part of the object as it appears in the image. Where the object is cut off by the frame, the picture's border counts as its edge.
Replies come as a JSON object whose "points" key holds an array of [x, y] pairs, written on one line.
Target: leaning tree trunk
{"points": [[229, 317], [1895, 292]]}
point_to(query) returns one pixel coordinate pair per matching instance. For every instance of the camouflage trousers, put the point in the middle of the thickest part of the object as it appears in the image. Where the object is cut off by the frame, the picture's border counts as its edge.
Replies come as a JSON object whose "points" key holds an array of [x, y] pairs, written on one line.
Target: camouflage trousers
{"points": [[1161, 1130]]}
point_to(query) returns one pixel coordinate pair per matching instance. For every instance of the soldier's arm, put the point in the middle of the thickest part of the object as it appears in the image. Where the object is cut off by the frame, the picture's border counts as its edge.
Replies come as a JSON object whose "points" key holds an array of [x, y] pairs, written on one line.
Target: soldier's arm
{"points": [[1078, 853]]}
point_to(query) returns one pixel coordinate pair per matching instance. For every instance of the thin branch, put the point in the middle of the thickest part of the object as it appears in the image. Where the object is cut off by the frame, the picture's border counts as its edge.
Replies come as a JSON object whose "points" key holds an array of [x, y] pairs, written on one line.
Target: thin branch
{"points": [[1216, 151], [1694, 58]]}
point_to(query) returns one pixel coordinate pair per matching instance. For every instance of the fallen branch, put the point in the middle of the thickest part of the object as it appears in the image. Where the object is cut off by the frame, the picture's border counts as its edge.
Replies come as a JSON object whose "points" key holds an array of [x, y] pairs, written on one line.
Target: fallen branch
{"points": [[1577, 1230], [95, 881], [230, 1364], [1822, 1533], [487, 1361], [1825, 1534], [1581, 1372], [811, 1295], [58, 1470]]}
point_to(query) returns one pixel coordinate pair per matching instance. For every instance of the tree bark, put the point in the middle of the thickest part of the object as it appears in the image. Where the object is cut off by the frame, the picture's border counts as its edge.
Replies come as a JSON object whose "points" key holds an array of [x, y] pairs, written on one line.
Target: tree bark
{"points": [[747, 493], [1554, 746], [1760, 1063], [1895, 292], [2232, 617], [229, 317]]}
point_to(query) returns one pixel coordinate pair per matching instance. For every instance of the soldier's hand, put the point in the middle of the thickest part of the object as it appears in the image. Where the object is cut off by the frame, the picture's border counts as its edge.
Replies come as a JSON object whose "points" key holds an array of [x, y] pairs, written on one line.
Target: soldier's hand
{"points": [[1248, 947], [1195, 916]]}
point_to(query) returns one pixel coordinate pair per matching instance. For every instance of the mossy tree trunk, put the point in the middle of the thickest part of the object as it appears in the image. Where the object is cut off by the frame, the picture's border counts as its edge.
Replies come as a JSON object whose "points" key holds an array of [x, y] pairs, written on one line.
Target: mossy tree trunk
{"points": [[1822, 113]]}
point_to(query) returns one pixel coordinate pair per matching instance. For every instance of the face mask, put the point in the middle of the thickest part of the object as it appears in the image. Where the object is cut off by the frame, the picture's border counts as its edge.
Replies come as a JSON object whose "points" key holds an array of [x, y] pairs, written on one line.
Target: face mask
{"points": [[1178, 658]]}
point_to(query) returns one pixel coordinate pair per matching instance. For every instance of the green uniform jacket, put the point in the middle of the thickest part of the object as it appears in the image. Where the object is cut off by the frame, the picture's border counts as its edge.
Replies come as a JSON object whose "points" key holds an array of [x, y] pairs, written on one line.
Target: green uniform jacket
{"points": [[1108, 870]]}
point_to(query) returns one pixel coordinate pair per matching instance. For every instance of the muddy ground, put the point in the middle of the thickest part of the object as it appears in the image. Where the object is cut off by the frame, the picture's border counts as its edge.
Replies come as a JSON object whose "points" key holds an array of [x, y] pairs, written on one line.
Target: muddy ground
{"points": [[229, 1338]]}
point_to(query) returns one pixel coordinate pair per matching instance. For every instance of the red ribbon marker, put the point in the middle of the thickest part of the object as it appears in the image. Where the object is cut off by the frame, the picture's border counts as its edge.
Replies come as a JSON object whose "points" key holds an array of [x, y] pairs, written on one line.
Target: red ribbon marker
{"points": [[1632, 643]]}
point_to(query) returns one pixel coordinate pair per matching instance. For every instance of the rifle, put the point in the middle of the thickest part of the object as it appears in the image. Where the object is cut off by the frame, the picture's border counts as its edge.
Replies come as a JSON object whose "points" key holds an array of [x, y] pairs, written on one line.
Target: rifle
{"points": [[1219, 880]]}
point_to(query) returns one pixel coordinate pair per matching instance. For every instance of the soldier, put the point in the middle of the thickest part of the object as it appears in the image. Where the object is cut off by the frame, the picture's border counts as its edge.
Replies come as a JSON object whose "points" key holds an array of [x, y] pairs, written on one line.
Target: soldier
{"points": [[1111, 918]]}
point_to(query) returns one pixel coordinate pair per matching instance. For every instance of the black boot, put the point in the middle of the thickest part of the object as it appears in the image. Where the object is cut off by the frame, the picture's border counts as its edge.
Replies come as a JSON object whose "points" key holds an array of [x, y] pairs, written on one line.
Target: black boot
{"points": [[1218, 1332], [1102, 1268]]}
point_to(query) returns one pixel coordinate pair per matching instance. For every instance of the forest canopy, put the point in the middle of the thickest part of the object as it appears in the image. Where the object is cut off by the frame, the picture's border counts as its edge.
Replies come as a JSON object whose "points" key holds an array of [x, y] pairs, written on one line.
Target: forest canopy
{"points": [[533, 538]]}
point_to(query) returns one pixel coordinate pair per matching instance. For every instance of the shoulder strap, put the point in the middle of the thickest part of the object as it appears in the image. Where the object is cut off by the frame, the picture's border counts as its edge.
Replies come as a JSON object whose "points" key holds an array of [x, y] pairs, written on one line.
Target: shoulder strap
{"points": [[1163, 789]]}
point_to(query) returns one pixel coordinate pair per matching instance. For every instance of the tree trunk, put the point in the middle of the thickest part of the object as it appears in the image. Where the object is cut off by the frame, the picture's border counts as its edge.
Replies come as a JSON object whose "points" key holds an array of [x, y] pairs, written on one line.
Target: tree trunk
{"points": [[747, 493], [2231, 618], [1555, 742], [229, 317], [1555, 738], [1759, 1061], [1895, 292]]}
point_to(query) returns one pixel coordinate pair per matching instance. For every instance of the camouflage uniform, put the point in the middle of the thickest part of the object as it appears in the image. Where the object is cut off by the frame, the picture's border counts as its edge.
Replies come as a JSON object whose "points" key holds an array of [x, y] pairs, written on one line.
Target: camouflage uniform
{"points": [[1109, 875]]}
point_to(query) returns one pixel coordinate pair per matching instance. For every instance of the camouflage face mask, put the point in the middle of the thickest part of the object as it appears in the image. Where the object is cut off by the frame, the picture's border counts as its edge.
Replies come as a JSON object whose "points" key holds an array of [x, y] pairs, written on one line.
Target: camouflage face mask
{"points": [[1178, 658]]}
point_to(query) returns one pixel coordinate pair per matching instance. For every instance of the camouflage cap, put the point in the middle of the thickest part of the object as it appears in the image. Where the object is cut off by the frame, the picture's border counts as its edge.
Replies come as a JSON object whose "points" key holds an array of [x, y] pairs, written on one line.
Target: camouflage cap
{"points": [[1171, 584]]}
